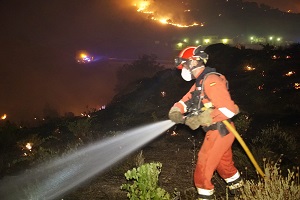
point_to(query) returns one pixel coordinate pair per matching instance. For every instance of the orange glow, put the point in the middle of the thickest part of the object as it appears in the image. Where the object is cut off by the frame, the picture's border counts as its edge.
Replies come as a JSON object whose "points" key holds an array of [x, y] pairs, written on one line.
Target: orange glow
{"points": [[249, 68], [297, 86], [261, 87], [144, 7], [83, 55], [29, 146], [174, 133], [290, 73], [3, 116]]}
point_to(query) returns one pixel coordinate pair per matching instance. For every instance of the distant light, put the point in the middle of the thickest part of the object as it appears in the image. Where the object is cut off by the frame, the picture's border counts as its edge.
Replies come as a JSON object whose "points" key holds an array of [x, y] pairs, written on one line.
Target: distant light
{"points": [[179, 45], [278, 39], [206, 41], [271, 38], [225, 41], [185, 40], [297, 86], [197, 41], [83, 55]]}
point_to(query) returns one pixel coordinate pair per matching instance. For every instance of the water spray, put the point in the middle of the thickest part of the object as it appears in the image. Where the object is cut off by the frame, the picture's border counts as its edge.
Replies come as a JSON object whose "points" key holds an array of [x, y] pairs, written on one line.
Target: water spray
{"points": [[55, 178]]}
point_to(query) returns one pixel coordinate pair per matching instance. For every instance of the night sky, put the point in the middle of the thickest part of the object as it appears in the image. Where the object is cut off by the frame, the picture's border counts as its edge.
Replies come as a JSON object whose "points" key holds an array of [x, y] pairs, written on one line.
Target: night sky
{"points": [[39, 41], [293, 5]]}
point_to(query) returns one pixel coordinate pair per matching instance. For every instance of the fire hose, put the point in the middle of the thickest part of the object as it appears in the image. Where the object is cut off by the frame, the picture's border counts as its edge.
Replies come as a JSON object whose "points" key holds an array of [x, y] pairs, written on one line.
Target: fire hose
{"points": [[243, 144]]}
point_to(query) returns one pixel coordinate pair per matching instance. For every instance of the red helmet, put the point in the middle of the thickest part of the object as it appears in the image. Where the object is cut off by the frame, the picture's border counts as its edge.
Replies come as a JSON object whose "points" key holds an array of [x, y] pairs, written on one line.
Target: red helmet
{"points": [[184, 56]]}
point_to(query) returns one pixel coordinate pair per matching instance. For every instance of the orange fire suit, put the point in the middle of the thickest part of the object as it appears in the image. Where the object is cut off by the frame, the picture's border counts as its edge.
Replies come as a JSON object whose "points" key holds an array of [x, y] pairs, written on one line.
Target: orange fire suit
{"points": [[216, 152]]}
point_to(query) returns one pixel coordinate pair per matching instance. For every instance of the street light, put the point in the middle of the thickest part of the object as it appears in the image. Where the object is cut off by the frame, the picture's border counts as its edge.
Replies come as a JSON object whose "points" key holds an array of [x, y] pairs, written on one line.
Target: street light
{"points": [[179, 45], [225, 41], [206, 41]]}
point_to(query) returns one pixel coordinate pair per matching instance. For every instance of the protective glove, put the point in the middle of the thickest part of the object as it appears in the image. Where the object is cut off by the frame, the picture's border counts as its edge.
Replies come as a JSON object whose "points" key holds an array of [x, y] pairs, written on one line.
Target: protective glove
{"points": [[176, 116], [205, 118], [193, 122]]}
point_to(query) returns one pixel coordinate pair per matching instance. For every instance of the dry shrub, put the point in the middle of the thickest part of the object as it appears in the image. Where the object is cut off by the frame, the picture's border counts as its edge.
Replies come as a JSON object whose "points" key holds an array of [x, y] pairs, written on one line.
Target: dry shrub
{"points": [[274, 186]]}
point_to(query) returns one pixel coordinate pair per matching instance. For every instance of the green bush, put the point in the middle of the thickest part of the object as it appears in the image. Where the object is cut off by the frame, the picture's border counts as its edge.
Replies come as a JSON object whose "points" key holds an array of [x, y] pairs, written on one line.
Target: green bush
{"points": [[145, 183], [81, 129]]}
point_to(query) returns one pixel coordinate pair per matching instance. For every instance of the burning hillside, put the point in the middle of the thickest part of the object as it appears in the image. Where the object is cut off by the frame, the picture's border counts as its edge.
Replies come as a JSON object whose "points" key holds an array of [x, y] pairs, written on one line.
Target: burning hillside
{"points": [[172, 12]]}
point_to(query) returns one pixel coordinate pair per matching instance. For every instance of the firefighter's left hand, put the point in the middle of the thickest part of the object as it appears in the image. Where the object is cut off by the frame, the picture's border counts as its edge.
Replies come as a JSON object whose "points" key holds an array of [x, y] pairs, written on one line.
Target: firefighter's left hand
{"points": [[193, 122], [205, 118]]}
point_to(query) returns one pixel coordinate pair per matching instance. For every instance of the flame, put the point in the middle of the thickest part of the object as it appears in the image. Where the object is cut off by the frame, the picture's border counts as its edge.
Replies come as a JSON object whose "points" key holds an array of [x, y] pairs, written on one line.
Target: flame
{"points": [[249, 68], [3, 116], [174, 133], [290, 73], [143, 6], [29, 146]]}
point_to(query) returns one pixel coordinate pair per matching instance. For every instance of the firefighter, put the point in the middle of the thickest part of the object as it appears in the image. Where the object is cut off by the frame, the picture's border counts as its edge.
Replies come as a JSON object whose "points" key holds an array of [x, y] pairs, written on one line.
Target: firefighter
{"points": [[206, 105]]}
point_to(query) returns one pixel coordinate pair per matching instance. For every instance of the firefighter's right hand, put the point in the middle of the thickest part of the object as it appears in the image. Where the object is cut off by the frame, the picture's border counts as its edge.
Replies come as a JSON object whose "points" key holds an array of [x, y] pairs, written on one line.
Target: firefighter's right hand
{"points": [[176, 116]]}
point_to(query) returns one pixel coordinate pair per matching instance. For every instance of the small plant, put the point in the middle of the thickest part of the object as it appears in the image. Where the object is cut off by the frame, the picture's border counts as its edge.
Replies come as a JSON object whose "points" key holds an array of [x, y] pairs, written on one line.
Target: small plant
{"points": [[145, 183], [139, 159]]}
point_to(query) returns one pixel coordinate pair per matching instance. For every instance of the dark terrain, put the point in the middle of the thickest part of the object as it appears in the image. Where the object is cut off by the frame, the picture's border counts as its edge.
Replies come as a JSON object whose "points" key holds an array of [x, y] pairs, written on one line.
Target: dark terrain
{"points": [[176, 149]]}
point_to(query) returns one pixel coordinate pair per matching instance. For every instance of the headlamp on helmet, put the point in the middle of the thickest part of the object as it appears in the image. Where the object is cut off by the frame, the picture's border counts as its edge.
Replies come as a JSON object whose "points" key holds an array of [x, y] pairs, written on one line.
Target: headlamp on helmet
{"points": [[184, 56], [199, 54], [179, 61]]}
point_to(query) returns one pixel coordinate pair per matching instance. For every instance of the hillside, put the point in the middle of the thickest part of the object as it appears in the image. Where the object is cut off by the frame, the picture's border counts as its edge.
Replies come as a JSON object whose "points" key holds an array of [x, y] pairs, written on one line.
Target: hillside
{"points": [[268, 122]]}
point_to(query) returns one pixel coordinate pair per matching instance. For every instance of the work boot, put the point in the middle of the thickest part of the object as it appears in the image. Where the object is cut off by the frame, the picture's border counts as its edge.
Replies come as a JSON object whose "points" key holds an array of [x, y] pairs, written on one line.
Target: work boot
{"points": [[234, 187], [204, 194], [205, 197]]}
